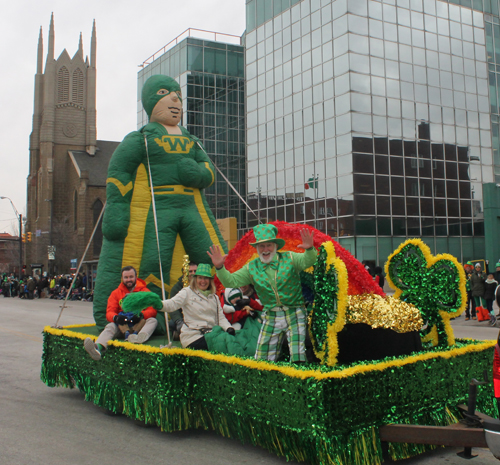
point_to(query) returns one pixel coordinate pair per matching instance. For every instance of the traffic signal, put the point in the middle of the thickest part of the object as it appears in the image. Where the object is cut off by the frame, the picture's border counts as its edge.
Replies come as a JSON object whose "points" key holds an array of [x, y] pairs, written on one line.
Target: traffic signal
{"points": [[29, 237], [24, 238]]}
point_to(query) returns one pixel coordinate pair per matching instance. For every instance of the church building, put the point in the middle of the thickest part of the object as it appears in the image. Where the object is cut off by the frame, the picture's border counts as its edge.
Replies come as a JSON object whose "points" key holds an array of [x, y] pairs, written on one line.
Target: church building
{"points": [[66, 185]]}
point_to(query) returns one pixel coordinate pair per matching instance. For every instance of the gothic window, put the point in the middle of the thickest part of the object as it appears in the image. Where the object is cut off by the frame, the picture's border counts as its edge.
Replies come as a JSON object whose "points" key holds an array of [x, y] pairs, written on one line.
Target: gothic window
{"points": [[38, 191], [75, 210], [63, 85], [77, 87], [97, 243]]}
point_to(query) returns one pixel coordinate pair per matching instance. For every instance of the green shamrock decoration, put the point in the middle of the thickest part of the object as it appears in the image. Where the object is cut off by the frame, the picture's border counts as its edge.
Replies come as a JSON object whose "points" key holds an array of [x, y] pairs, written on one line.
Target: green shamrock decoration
{"points": [[330, 301], [434, 284]]}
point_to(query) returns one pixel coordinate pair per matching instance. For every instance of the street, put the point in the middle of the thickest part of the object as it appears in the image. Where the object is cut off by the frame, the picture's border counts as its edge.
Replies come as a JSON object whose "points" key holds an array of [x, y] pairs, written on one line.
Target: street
{"points": [[40, 425]]}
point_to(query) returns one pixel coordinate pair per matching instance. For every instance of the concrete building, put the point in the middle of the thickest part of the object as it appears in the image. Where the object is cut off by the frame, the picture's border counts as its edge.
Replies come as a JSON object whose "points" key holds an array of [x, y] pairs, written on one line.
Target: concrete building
{"points": [[211, 76], [9, 254], [387, 110], [66, 186]]}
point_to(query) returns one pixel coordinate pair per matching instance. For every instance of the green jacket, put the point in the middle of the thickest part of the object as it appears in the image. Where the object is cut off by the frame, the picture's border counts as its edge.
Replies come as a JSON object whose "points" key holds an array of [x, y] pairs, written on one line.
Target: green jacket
{"points": [[271, 282], [477, 284]]}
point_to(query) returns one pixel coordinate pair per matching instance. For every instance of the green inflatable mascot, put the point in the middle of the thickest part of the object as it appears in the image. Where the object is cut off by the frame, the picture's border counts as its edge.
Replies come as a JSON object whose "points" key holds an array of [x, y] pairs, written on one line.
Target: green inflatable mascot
{"points": [[164, 155]]}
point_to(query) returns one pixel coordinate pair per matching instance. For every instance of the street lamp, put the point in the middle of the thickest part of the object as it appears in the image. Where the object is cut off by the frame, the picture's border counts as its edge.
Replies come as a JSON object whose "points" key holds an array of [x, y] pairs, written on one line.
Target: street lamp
{"points": [[51, 248], [20, 234]]}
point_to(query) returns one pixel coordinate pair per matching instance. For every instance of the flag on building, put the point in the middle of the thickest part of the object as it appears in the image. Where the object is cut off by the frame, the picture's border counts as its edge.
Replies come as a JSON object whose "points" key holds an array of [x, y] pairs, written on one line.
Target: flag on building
{"points": [[312, 183]]}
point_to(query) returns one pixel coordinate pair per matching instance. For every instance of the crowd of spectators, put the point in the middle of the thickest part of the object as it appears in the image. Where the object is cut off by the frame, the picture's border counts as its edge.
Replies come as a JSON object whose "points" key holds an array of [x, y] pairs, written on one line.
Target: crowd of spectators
{"points": [[53, 287]]}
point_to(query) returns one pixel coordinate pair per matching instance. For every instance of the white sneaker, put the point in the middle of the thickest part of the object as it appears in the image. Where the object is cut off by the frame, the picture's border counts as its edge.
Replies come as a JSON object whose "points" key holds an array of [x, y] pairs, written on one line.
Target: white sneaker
{"points": [[91, 349]]}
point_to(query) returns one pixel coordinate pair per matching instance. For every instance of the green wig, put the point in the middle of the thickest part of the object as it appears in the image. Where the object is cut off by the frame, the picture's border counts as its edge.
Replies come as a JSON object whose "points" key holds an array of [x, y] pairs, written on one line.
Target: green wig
{"points": [[136, 302]]}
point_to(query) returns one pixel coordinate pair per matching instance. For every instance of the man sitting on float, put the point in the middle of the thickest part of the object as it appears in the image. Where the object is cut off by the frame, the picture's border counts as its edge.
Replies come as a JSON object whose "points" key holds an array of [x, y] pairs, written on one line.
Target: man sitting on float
{"points": [[275, 276], [135, 328]]}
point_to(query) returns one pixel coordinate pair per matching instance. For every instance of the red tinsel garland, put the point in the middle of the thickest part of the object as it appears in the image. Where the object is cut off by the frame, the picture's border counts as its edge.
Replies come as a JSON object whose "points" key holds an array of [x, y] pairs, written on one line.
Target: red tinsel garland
{"points": [[360, 281]]}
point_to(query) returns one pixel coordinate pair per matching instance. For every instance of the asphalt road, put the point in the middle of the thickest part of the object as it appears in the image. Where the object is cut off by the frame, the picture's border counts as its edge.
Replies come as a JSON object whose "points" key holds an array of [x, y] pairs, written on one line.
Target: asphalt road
{"points": [[41, 425]]}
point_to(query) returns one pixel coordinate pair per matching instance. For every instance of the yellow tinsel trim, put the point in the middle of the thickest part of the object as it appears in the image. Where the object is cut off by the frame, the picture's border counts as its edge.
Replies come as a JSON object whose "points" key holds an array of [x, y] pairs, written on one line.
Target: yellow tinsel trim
{"points": [[432, 336], [68, 333], [79, 326], [288, 371], [431, 260]]}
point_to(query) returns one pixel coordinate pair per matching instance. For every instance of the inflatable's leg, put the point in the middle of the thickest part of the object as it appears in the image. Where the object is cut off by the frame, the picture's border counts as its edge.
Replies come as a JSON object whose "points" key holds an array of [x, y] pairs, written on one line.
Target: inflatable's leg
{"points": [[212, 221], [199, 231], [150, 265]]}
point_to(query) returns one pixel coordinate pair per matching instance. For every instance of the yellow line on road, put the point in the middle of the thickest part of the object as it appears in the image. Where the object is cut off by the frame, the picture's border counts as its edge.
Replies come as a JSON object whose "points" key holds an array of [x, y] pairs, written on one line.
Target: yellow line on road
{"points": [[23, 335]]}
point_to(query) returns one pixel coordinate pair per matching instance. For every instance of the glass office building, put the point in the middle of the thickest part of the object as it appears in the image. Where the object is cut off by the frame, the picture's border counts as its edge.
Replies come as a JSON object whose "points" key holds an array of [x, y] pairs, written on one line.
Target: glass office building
{"points": [[211, 76], [374, 120]]}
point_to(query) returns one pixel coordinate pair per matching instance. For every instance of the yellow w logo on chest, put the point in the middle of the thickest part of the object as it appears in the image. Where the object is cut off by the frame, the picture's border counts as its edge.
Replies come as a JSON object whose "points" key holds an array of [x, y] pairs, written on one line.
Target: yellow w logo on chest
{"points": [[175, 144]]}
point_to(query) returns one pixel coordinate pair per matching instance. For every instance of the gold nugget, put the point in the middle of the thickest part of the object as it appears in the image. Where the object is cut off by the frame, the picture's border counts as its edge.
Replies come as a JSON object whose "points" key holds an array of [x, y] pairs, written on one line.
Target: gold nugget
{"points": [[383, 312]]}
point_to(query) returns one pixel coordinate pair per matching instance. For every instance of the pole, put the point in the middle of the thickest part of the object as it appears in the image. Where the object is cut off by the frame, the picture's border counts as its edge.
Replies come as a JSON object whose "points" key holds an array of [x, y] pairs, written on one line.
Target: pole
{"points": [[51, 262], [20, 245], [79, 266], [230, 185], [315, 205], [20, 231], [153, 204]]}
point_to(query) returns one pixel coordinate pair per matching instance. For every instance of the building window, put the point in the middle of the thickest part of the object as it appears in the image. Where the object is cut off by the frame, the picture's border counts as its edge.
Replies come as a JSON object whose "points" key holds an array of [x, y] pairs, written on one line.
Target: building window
{"points": [[77, 87], [416, 161], [63, 85]]}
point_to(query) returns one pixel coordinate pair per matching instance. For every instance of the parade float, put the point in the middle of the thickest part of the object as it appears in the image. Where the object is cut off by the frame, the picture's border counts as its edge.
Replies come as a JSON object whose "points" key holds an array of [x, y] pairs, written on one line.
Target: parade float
{"points": [[376, 359], [320, 413]]}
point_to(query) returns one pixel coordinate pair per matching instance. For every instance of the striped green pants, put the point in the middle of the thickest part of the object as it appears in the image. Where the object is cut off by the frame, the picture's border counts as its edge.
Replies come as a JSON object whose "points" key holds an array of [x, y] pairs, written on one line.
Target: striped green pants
{"points": [[275, 326]]}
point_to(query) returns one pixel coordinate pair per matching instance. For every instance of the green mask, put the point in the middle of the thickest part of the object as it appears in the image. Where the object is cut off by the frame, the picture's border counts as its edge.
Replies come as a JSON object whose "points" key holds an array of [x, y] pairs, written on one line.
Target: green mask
{"points": [[149, 91]]}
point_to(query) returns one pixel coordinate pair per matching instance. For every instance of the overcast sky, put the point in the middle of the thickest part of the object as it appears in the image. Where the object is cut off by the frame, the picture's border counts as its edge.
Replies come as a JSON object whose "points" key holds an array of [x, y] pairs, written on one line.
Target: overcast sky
{"points": [[127, 34]]}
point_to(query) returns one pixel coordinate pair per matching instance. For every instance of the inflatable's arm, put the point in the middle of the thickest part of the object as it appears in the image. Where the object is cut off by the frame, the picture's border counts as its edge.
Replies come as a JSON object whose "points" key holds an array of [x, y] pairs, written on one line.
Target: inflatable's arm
{"points": [[198, 172], [120, 185]]}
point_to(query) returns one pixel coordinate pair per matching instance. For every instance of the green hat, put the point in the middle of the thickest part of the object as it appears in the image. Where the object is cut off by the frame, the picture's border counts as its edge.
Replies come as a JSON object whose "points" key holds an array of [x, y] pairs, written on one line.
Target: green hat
{"points": [[233, 293], [469, 263], [497, 265], [267, 233], [204, 270], [149, 91]]}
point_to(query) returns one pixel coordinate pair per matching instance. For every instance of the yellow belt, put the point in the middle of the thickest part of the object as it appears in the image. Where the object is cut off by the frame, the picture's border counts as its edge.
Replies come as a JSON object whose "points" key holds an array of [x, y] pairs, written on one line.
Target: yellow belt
{"points": [[176, 189]]}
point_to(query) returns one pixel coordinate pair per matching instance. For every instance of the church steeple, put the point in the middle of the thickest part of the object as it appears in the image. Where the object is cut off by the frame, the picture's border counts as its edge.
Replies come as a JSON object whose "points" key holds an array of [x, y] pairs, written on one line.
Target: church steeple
{"points": [[80, 47], [93, 46], [50, 50], [39, 59], [91, 130]]}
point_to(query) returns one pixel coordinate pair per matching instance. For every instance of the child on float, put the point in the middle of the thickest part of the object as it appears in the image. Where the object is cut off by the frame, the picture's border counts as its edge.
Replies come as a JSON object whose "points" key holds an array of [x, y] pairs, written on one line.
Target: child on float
{"points": [[239, 304], [201, 308]]}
